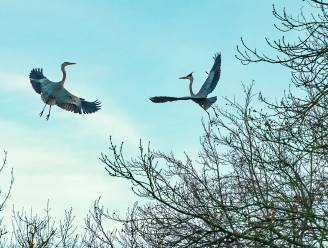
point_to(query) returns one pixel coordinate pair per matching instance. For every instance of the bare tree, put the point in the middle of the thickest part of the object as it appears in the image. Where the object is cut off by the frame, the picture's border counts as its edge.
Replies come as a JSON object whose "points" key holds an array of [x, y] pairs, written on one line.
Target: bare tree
{"points": [[34, 230], [97, 234], [260, 179], [305, 56], [37, 231], [4, 198]]}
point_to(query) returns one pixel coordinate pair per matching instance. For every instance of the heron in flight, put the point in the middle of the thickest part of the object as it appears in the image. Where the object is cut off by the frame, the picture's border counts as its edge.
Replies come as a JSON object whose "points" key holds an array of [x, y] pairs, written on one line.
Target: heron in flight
{"points": [[54, 93], [201, 97]]}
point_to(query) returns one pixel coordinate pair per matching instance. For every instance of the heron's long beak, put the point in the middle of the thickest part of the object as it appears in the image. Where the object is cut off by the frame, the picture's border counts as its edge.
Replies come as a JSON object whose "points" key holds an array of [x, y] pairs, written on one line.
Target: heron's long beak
{"points": [[71, 63], [189, 76]]}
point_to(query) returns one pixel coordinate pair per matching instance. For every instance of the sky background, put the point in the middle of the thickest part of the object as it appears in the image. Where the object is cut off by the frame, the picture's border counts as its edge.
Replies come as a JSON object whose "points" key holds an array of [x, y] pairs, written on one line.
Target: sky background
{"points": [[126, 51]]}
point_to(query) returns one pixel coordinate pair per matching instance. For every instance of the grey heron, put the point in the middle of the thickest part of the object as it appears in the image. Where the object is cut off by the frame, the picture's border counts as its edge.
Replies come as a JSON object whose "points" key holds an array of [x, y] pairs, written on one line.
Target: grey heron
{"points": [[201, 97], [54, 93]]}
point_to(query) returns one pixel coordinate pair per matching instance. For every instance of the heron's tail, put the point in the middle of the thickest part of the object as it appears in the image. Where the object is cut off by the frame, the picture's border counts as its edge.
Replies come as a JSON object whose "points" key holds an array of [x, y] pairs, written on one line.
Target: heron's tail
{"points": [[207, 103], [90, 107]]}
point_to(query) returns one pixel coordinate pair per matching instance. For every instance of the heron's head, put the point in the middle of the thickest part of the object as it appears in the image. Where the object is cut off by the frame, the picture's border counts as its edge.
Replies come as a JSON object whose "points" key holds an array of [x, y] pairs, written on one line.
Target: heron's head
{"points": [[189, 76], [67, 63]]}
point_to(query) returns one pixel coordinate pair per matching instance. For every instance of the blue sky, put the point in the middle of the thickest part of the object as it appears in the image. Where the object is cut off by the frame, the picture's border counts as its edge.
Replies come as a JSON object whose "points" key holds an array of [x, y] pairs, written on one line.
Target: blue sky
{"points": [[126, 51]]}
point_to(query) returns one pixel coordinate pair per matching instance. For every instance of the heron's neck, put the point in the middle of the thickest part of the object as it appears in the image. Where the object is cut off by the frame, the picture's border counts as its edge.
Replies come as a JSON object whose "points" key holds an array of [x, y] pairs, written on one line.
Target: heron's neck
{"points": [[190, 86], [64, 75]]}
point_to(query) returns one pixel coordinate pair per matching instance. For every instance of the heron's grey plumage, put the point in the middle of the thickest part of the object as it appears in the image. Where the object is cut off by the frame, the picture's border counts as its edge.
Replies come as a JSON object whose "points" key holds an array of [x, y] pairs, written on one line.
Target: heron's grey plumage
{"points": [[212, 78], [54, 93], [38, 80], [201, 97]]}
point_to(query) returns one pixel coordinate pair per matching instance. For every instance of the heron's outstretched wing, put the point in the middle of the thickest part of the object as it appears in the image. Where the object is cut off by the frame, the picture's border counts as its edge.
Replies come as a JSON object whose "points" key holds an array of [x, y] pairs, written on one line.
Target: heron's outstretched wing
{"points": [[69, 102], [38, 80], [213, 77], [160, 99]]}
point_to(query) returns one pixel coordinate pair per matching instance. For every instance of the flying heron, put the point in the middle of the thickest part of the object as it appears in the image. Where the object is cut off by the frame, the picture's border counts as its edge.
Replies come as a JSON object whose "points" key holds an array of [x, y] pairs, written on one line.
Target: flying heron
{"points": [[54, 93], [201, 97]]}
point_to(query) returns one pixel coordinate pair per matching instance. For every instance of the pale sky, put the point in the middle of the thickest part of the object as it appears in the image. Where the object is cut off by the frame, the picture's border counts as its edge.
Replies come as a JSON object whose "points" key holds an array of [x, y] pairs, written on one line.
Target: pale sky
{"points": [[126, 52]]}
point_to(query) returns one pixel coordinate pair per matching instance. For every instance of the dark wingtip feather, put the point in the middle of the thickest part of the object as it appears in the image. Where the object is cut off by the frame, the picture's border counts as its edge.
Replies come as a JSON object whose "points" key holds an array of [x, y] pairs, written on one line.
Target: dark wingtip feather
{"points": [[217, 55], [159, 99], [153, 99], [36, 73], [90, 107]]}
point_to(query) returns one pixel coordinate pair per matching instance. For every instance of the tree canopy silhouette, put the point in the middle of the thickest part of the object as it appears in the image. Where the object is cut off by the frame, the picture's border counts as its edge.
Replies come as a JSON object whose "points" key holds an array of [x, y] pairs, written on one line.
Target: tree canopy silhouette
{"points": [[261, 175]]}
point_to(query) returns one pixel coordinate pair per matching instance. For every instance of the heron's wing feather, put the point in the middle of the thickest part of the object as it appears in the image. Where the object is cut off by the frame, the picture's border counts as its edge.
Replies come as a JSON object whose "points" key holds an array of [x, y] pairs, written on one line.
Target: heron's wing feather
{"points": [[213, 77], [161, 99], [69, 102], [38, 80]]}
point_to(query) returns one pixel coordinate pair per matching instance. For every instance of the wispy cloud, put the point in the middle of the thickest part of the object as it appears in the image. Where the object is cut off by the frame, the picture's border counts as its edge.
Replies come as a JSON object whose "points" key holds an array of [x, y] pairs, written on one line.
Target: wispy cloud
{"points": [[45, 168], [58, 159], [107, 121], [105, 124], [13, 82]]}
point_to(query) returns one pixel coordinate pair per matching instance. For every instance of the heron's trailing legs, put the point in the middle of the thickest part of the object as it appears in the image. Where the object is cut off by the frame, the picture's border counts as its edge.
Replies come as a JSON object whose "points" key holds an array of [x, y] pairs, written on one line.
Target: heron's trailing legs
{"points": [[41, 113], [209, 117], [48, 115]]}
